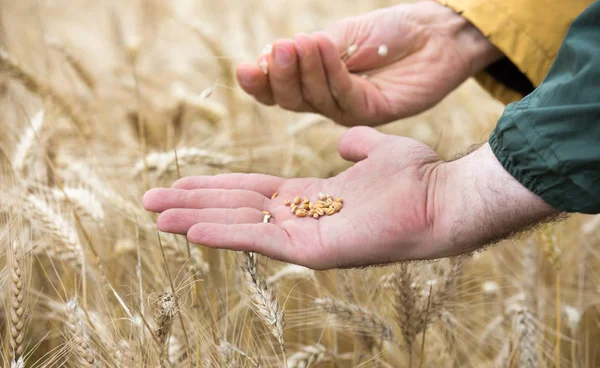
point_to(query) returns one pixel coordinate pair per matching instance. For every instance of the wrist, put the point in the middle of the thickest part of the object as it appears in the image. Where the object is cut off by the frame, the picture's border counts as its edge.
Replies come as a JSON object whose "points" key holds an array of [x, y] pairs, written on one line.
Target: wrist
{"points": [[478, 202], [471, 44]]}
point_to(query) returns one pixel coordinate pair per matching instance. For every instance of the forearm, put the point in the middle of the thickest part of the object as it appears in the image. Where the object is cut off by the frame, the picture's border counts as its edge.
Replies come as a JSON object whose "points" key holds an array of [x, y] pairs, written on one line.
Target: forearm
{"points": [[478, 202]]}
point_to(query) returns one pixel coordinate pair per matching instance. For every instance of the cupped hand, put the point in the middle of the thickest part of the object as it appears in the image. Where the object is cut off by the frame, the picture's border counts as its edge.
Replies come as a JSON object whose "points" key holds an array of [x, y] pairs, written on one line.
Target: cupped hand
{"points": [[387, 214], [430, 51]]}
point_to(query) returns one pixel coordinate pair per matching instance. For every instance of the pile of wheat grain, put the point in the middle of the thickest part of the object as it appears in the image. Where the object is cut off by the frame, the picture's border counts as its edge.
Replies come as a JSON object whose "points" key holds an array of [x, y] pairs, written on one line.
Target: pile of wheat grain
{"points": [[96, 98]]}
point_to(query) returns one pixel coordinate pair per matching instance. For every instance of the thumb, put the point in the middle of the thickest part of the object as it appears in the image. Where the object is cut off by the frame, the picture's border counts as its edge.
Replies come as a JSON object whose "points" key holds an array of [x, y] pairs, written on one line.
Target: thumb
{"points": [[356, 143]]}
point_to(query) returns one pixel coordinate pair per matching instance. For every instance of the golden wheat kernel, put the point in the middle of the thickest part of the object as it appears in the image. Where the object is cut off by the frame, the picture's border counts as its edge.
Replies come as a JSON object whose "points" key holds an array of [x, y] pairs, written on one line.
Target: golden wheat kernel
{"points": [[321, 196], [338, 199], [264, 65], [311, 212], [294, 208], [337, 206], [297, 200], [301, 213], [287, 202], [275, 195], [330, 211], [266, 213], [306, 202], [315, 215], [320, 211], [329, 201]]}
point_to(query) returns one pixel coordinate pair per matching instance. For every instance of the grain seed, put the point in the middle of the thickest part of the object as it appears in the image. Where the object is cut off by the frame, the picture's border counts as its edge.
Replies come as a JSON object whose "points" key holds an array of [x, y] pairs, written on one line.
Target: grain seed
{"points": [[315, 215], [264, 65], [294, 208], [351, 50], [321, 196], [301, 213], [274, 195], [287, 202]]}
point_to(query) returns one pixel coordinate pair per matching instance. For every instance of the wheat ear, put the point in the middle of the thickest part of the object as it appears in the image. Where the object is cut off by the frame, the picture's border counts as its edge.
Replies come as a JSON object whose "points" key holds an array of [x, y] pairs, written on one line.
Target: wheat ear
{"points": [[164, 321], [524, 325], [164, 162], [308, 356], [84, 74], [290, 271], [33, 85], [263, 300], [84, 201], [70, 247], [76, 332], [26, 141], [405, 303], [360, 319], [18, 305]]}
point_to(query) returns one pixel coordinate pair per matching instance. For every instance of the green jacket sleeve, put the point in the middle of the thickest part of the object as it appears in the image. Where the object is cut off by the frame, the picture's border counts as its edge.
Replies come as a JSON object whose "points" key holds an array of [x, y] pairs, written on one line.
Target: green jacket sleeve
{"points": [[550, 140]]}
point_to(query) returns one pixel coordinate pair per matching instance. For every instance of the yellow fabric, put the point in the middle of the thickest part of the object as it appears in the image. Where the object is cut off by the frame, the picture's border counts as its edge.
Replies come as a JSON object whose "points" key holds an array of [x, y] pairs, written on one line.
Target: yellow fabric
{"points": [[528, 32]]}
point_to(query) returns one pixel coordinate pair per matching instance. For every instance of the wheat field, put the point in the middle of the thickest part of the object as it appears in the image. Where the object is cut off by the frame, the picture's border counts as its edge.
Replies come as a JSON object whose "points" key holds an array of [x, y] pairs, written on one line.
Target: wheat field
{"points": [[100, 101]]}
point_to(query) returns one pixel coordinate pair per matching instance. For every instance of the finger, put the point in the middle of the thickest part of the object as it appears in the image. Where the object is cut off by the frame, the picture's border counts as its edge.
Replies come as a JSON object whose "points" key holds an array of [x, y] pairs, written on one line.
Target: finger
{"points": [[161, 199], [263, 184], [179, 220], [251, 78], [255, 82], [356, 143], [315, 89], [267, 239], [284, 76], [345, 90]]}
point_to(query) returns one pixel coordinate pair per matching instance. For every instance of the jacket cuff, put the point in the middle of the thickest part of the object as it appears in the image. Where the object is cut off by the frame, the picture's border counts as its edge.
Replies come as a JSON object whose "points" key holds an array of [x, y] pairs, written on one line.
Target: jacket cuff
{"points": [[524, 153], [508, 36]]}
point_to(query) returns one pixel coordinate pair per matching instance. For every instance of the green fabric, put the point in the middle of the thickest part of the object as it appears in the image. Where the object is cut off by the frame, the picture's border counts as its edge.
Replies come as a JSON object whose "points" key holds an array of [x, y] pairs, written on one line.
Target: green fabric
{"points": [[550, 140]]}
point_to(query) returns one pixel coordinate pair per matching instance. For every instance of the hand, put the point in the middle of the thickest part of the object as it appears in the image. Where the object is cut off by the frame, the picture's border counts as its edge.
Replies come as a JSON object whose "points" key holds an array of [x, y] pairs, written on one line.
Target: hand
{"points": [[401, 202], [431, 51], [386, 215]]}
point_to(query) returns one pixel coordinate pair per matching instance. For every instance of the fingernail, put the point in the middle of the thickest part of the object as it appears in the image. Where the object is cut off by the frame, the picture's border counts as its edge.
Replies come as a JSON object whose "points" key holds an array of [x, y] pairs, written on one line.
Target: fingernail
{"points": [[282, 56]]}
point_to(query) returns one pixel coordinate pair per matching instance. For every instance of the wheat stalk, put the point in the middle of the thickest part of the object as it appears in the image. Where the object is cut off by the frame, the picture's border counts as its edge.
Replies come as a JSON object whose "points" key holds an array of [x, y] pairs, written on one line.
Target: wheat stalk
{"points": [[18, 305], [358, 318], [263, 300], [76, 332]]}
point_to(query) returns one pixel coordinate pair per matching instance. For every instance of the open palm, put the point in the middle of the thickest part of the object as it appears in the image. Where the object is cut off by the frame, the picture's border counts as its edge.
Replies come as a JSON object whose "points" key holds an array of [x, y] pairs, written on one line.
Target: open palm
{"points": [[425, 60], [385, 217]]}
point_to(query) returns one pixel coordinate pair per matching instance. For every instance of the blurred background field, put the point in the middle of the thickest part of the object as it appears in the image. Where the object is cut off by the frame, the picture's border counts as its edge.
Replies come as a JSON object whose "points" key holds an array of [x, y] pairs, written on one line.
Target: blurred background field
{"points": [[96, 97]]}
